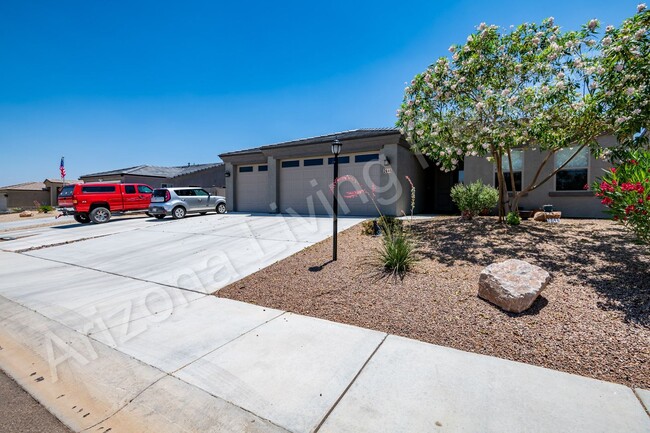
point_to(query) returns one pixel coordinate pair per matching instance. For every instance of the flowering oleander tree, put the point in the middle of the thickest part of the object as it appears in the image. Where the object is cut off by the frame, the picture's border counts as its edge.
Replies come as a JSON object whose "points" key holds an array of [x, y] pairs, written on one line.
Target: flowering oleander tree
{"points": [[625, 80], [625, 190], [531, 87]]}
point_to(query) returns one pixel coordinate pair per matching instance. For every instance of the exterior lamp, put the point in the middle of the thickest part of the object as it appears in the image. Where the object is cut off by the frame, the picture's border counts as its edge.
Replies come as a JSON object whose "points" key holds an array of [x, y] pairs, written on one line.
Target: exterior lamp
{"points": [[336, 149]]}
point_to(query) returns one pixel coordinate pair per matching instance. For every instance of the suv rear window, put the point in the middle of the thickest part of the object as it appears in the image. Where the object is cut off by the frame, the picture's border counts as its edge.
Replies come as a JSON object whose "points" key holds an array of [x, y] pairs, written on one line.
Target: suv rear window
{"points": [[159, 192], [97, 189], [66, 191]]}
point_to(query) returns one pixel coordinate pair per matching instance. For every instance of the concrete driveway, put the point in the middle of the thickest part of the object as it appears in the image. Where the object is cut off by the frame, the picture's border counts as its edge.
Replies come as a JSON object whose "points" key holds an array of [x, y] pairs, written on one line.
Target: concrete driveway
{"points": [[198, 253], [111, 329]]}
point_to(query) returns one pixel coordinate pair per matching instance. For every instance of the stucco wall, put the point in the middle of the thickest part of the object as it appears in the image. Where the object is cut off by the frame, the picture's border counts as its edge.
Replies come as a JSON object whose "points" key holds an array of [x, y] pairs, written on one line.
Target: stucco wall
{"points": [[581, 204], [212, 177], [25, 199]]}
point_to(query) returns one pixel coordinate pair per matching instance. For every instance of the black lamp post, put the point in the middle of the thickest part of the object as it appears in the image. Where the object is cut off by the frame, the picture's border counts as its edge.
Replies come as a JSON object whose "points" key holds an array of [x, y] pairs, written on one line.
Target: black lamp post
{"points": [[336, 149]]}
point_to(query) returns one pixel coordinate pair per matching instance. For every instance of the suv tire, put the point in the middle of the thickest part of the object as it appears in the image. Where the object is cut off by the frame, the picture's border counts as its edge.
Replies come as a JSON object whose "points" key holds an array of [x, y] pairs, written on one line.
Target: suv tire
{"points": [[159, 216], [100, 215], [178, 212], [221, 208], [82, 218]]}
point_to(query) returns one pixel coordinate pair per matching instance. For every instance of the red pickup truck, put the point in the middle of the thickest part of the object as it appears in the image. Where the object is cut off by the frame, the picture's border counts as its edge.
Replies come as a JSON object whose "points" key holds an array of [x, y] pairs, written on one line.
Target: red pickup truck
{"points": [[97, 201]]}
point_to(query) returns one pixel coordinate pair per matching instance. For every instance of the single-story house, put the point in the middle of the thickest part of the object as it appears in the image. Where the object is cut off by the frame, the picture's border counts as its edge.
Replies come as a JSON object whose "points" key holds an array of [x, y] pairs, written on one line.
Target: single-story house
{"points": [[209, 176], [25, 195], [376, 169]]}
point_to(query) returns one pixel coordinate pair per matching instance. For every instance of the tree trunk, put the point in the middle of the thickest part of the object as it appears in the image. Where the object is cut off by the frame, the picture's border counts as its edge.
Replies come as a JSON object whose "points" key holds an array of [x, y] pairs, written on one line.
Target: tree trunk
{"points": [[500, 184]]}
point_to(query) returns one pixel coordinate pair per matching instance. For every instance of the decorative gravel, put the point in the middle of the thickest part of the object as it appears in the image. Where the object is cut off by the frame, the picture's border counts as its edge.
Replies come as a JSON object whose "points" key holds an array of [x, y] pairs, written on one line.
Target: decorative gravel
{"points": [[593, 319]]}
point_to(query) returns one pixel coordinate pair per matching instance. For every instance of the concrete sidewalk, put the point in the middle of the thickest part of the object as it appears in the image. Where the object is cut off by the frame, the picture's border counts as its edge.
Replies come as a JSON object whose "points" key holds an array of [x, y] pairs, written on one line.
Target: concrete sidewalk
{"points": [[103, 350]]}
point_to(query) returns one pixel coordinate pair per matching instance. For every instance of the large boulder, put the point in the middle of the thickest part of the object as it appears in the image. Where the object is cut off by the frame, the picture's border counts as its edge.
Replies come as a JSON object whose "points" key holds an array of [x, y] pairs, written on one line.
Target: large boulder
{"points": [[512, 285]]}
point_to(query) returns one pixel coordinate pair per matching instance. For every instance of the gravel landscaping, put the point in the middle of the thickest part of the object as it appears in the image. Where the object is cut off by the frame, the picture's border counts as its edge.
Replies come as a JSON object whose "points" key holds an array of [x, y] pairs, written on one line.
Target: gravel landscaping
{"points": [[593, 319]]}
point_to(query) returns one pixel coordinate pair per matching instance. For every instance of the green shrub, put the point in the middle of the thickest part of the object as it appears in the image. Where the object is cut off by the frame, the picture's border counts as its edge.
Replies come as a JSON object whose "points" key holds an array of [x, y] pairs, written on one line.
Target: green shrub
{"points": [[45, 208], [513, 219], [385, 223], [396, 252], [473, 198]]}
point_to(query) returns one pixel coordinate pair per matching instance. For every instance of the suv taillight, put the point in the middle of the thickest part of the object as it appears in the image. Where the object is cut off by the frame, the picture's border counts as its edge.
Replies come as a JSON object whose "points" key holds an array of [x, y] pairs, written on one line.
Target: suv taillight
{"points": [[168, 196]]}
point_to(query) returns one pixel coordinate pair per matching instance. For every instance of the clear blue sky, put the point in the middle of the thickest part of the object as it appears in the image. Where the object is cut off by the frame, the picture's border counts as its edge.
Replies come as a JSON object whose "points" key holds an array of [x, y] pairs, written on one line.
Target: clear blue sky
{"points": [[112, 84]]}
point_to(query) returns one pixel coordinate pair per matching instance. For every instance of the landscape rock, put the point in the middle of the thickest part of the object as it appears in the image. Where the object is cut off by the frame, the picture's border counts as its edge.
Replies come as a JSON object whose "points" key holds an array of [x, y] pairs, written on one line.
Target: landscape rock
{"points": [[512, 285], [25, 213], [544, 216]]}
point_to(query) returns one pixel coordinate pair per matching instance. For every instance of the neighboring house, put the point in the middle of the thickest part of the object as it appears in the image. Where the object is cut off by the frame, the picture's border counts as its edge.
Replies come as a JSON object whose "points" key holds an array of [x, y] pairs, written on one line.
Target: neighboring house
{"points": [[297, 177], [209, 176], [24, 195]]}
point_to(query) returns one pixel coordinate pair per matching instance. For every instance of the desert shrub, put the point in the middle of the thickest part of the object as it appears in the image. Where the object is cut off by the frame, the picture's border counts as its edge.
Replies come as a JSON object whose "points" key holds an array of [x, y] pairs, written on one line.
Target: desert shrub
{"points": [[368, 227], [625, 190], [396, 252], [384, 223], [473, 198], [45, 208], [513, 219], [389, 224]]}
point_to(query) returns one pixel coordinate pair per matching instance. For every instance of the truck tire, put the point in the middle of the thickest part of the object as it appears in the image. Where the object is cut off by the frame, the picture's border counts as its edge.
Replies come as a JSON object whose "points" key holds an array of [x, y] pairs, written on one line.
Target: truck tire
{"points": [[82, 218], [100, 215], [221, 208], [178, 212]]}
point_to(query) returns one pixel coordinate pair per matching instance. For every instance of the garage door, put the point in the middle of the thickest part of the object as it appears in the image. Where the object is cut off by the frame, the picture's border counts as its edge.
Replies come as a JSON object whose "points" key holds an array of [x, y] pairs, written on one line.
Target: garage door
{"points": [[305, 184], [251, 189]]}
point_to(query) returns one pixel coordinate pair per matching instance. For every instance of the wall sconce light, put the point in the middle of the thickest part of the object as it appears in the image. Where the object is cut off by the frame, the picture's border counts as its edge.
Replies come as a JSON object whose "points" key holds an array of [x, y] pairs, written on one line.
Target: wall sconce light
{"points": [[227, 174], [385, 161]]}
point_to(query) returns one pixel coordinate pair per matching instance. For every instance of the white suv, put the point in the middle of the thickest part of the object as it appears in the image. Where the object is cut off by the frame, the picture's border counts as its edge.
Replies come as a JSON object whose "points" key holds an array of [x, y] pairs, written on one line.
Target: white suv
{"points": [[178, 202]]}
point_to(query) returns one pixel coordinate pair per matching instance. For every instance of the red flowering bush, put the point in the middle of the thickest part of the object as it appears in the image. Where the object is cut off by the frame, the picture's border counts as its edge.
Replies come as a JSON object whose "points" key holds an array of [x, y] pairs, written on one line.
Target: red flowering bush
{"points": [[625, 190]]}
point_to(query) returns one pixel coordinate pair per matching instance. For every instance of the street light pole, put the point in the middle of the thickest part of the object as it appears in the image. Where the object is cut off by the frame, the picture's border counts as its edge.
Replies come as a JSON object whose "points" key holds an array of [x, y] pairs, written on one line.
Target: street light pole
{"points": [[336, 149]]}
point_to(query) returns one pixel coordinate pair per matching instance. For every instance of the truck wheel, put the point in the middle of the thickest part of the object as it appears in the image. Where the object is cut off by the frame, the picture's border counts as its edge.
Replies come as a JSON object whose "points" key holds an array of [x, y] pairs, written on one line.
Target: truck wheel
{"points": [[82, 218], [221, 208], [100, 215], [178, 212]]}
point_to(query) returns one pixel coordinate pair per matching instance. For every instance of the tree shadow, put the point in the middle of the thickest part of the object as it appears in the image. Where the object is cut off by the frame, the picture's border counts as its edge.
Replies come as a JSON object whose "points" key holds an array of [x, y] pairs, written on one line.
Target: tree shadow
{"points": [[607, 259]]}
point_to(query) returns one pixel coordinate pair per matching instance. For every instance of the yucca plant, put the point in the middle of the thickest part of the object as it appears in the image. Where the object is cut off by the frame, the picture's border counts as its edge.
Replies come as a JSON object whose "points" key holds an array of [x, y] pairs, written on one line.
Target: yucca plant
{"points": [[396, 252]]}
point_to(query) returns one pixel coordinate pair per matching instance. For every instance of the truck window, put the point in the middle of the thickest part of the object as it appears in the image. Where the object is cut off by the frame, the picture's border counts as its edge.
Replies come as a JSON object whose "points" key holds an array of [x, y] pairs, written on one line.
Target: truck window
{"points": [[97, 189], [129, 189], [144, 189], [66, 191]]}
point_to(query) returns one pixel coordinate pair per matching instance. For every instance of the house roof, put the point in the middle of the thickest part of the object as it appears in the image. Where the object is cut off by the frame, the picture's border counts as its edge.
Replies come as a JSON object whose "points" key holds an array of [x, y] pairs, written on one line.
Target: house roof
{"points": [[60, 181], [344, 135], [155, 171], [27, 186]]}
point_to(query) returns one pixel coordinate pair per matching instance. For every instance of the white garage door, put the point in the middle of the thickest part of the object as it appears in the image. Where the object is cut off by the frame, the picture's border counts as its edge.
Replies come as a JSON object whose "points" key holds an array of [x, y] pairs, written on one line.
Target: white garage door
{"points": [[251, 190], [305, 185]]}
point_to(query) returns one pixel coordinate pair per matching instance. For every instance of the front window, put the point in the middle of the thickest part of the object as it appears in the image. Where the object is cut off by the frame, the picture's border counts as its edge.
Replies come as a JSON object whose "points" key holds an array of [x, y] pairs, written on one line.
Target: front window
{"points": [[575, 174], [201, 192], [517, 157], [144, 189]]}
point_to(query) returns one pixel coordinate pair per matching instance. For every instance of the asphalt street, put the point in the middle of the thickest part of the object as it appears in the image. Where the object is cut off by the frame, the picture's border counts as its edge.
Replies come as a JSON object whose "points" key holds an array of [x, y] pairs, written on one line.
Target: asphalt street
{"points": [[20, 413]]}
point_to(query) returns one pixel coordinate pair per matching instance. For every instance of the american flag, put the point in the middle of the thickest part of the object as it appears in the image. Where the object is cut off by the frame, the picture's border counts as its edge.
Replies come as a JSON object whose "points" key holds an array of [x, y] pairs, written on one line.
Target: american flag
{"points": [[62, 169]]}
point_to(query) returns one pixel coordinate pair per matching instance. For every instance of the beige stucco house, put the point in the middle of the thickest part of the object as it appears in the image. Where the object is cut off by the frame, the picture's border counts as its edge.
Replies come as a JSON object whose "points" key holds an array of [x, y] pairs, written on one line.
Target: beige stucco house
{"points": [[26, 195], [296, 177]]}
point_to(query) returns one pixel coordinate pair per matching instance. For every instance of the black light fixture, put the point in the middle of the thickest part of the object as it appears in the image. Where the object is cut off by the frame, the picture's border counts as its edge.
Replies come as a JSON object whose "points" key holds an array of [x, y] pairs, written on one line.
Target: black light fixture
{"points": [[336, 149], [227, 174]]}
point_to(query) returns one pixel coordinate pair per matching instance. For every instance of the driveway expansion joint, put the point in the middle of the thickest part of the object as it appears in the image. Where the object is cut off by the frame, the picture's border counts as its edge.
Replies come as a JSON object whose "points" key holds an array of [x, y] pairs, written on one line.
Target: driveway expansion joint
{"points": [[347, 388]]}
